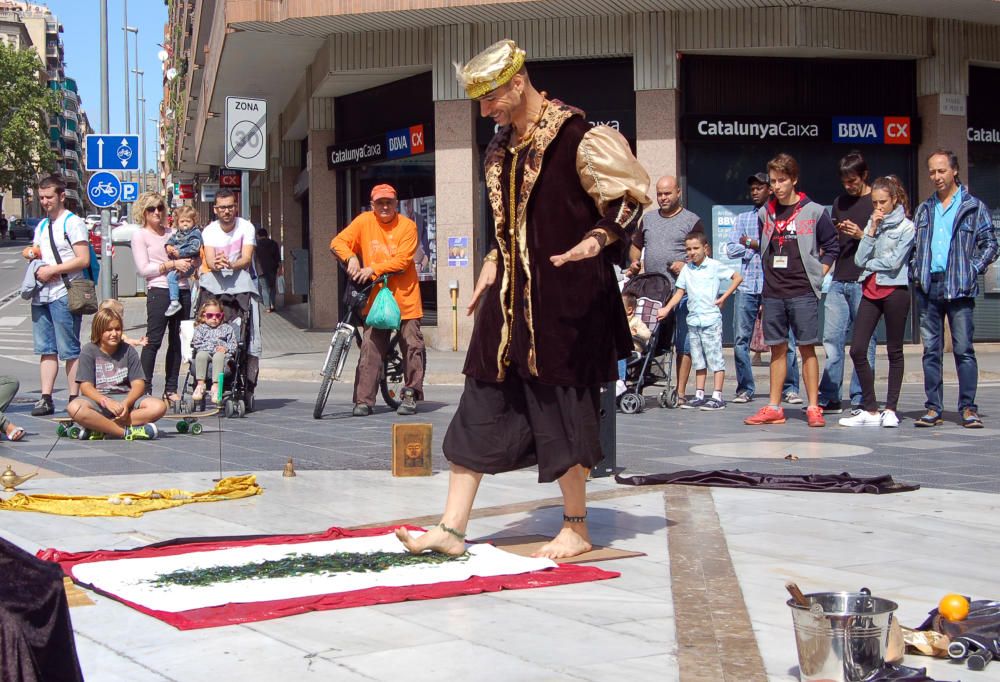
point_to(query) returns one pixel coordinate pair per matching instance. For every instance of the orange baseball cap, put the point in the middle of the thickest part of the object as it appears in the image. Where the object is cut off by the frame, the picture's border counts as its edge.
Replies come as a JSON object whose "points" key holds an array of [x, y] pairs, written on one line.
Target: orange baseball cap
{"points": [[383, 191]]}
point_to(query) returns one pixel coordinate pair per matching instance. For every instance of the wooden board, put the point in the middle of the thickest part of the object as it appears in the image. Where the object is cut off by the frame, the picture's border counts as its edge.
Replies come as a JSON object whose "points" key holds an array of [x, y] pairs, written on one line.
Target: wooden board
{"points": [[524, 545], [191, 416], [411, 449], [74, 595]]}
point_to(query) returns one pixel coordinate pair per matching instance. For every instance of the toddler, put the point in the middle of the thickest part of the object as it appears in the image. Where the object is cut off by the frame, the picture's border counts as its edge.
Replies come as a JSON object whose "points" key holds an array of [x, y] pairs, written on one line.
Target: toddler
{"points": [[116, 305], [214, 341], [185, 242], [640, 337]]}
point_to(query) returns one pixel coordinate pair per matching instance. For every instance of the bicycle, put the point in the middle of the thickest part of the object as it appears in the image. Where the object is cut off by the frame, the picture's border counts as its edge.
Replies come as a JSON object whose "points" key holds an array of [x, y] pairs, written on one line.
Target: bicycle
{"points": [[392, 378]]}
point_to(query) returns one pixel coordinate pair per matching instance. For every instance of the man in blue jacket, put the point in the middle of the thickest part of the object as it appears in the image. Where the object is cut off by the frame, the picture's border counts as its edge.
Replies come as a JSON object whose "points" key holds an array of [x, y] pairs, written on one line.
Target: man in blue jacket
{"points": [[955, 243]]}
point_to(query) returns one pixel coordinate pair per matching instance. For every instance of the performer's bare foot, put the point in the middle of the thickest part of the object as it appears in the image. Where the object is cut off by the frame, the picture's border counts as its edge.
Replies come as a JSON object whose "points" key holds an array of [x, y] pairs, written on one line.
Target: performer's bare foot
{"points": [[436, 539], [568, 543]]}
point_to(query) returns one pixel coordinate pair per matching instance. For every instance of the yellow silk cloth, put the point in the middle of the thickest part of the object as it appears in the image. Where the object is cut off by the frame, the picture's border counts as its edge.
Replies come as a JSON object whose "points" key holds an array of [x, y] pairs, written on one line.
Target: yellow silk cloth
{"points": [[131, 504]]}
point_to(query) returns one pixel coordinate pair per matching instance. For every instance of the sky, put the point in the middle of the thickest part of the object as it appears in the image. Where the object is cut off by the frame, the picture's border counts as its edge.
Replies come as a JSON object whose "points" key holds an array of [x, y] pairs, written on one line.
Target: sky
{"points": [[82, 44]]}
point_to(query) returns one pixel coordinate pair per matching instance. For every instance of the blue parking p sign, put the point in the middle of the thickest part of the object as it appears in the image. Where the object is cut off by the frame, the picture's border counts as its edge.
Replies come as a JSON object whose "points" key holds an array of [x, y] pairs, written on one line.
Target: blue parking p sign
{"points": [[112, 152], [104, 189], [130, 191]]}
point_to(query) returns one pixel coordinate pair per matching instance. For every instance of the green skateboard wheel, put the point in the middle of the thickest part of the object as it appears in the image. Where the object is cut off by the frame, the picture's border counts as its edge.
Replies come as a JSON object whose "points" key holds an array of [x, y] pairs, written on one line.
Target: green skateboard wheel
{"points": [[196, 429], [182, 426], [61, 431], [74, 432]]}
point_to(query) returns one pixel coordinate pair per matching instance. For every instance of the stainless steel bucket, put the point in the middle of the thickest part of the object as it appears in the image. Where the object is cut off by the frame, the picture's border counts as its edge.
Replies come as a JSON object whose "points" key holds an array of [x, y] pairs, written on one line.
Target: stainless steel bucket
{"points": [[842, 636]]}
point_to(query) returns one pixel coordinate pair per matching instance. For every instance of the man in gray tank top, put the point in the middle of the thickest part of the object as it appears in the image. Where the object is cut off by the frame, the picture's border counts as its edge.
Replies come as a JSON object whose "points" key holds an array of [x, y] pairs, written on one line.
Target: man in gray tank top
{"points": [[659, 243]]}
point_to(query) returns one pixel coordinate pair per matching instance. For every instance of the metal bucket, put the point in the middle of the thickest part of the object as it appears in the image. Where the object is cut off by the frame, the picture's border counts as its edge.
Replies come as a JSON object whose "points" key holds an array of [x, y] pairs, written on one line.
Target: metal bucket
{"points": [[844, 638]]}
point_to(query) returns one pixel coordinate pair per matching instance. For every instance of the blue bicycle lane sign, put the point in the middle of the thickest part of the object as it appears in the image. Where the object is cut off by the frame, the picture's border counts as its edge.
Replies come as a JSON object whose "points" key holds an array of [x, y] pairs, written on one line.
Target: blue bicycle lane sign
{"points": [[104, 189]]}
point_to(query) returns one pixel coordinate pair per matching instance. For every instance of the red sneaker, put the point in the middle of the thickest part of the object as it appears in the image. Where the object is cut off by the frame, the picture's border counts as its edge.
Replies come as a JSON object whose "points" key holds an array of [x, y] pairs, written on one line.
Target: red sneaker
{"points": [[814, 415], [766, 415]]}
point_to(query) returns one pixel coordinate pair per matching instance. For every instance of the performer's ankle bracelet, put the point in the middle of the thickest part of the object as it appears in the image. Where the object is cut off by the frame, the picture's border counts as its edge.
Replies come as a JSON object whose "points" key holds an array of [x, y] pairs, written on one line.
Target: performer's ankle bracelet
{"points": [[575, 519], [451, 531]]}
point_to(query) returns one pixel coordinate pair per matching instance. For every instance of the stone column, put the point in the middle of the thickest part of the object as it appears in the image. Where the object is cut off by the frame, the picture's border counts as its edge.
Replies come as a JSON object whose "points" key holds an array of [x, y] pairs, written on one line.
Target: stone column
{"points": [[455, 159], [289, 213], [324, 289], [942, 89], [657, 141]]}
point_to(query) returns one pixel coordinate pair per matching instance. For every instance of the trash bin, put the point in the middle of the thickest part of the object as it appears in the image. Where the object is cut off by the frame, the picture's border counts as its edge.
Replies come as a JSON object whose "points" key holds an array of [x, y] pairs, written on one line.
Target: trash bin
{"points": [[129, 282], [842, 636]]}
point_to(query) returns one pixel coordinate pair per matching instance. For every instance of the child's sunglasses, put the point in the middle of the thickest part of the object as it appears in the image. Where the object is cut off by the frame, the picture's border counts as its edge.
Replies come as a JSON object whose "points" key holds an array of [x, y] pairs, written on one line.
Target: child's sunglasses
{"points": [[212, 316]]}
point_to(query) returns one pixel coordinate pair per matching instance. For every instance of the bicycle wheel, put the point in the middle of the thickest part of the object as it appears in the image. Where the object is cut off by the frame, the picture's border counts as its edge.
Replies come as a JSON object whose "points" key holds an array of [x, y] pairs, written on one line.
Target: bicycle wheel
{"points": [[336, 357], [393, 376]]}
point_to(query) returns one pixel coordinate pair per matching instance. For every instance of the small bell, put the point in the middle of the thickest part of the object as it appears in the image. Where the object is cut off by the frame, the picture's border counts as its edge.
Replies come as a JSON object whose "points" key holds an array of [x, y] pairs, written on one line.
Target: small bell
{"points": [[289, 469]]}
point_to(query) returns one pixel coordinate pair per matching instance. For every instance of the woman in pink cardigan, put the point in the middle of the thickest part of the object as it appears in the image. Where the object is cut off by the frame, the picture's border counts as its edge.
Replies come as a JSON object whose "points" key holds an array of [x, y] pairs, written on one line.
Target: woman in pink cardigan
{"points": [[153, 263]]}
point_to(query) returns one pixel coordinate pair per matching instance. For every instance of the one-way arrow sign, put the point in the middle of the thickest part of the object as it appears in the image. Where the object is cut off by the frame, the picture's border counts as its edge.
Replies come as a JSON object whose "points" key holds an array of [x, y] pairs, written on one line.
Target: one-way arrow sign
{"points": [[112, 152]]}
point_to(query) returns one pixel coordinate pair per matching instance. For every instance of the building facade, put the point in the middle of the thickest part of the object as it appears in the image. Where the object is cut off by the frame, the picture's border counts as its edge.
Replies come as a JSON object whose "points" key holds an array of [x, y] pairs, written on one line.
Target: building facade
{"points": [[30, 26], [707, 90]]}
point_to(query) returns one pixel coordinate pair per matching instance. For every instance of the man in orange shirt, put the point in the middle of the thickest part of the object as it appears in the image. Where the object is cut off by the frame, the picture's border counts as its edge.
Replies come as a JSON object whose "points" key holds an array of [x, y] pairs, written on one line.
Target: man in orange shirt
{"points": [[386, 242]]}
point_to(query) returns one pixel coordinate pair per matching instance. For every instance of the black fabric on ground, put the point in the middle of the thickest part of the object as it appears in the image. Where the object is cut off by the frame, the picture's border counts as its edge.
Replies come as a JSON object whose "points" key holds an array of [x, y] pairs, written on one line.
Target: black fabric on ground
{"points": [[734, 478], [890, 671], [36, 635]]}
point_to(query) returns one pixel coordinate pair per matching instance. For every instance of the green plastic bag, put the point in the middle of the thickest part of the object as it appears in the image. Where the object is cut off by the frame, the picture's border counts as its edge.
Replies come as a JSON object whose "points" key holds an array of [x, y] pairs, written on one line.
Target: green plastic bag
{"points": [[384, 313]]}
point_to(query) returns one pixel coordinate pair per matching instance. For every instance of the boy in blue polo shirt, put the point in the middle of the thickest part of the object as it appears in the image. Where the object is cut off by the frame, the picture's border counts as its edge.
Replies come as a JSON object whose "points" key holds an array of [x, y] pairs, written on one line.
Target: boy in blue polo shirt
{"points": [[700, 279]]}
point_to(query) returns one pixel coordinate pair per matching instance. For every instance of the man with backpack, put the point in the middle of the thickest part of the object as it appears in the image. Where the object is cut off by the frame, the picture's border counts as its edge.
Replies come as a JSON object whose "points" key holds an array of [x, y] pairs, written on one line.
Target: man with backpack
{"points": [[61, 242]]}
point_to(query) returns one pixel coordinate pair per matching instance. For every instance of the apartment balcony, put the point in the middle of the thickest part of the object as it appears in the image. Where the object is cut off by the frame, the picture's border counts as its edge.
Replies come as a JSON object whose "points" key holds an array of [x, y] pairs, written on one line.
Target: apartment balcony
{"points": [[72, 194], [52, 50], [52, 27], [68, 134], [71, 96], [70, 84], [71, 116], [72, 175], [72, 155]]}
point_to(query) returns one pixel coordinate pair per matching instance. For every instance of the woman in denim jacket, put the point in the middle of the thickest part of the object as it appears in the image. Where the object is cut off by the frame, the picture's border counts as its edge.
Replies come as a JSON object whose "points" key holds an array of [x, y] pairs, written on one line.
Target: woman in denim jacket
{"points": [[884, 253]]}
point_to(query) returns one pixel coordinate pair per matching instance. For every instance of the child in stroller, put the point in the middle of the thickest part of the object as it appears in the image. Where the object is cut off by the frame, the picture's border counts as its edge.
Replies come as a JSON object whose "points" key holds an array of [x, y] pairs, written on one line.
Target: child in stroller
{"points": [[214, 345], [654, 366], [237, 395]]}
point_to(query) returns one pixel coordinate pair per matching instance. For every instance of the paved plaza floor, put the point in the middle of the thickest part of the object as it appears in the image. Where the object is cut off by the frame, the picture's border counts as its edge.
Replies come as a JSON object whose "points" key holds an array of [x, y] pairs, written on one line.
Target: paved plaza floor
{"points": [[705, 601]]}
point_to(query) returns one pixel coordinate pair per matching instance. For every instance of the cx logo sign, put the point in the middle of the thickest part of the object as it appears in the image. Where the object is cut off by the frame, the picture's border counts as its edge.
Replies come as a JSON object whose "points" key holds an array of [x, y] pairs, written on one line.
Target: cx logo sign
{"points": [[897, 130]]}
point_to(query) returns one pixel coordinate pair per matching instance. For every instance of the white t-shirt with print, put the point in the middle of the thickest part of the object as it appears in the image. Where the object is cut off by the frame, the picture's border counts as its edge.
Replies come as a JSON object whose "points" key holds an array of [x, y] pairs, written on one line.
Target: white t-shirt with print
{"points": [[69, 229], [230, 243]]}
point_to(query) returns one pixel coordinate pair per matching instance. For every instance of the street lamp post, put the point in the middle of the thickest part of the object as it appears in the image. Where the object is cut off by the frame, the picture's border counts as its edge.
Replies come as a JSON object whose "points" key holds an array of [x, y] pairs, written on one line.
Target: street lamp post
{"points": [[158, 187], [105, 126], [125, 32], [140, 115], [128, 116]]}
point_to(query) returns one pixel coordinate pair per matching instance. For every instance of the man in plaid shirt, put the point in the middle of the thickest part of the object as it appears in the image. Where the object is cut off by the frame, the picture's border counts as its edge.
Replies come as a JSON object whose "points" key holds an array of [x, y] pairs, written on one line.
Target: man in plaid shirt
{"points": [[745, 245]]}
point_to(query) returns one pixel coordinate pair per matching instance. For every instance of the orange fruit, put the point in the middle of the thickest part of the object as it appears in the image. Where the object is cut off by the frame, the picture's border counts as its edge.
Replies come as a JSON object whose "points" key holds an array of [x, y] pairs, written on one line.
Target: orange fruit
{"points": [[953, 606]]}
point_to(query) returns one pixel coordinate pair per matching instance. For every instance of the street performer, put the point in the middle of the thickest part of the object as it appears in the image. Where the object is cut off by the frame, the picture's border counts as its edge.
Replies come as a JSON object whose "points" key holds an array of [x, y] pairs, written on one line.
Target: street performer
{"points": [[551, 325]]}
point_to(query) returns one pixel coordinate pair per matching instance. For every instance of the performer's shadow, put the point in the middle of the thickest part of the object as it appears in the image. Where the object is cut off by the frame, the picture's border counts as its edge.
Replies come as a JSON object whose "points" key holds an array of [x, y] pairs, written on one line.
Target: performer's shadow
{"points": [[606, 526]]}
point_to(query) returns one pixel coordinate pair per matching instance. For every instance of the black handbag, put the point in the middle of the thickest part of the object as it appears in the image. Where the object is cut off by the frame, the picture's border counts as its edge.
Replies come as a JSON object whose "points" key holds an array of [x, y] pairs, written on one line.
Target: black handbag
{"points": [[81, 292]]}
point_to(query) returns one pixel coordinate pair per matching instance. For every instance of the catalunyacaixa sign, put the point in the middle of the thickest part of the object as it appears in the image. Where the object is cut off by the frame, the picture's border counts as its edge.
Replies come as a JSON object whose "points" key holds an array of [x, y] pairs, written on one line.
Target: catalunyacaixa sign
{"points": [[393, 144], [822, 129]]}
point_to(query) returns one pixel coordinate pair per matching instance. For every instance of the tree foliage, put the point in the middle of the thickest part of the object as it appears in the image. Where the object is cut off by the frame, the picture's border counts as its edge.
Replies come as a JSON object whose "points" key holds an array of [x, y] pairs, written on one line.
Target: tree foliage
{"points": [[25, 105]]}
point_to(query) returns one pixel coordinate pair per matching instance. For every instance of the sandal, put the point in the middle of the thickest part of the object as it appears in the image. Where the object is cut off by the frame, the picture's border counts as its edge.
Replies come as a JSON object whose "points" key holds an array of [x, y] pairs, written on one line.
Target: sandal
{"points": [[13, 433], [171, 398], [970, 419]]}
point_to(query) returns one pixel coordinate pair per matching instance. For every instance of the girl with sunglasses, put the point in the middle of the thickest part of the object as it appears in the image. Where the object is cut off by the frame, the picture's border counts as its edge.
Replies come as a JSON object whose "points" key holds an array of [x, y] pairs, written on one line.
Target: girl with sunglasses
{"points": [[214, 344], [153, 263]]}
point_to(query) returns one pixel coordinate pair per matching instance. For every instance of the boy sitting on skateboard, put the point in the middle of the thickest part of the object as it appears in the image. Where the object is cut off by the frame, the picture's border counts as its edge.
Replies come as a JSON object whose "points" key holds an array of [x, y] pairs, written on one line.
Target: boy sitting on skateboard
{"points": [[113, 400]]}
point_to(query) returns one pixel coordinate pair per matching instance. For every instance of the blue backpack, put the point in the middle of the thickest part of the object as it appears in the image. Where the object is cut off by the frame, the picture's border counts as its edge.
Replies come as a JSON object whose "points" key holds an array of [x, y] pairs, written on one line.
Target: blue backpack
{"points": [[91, 272]]}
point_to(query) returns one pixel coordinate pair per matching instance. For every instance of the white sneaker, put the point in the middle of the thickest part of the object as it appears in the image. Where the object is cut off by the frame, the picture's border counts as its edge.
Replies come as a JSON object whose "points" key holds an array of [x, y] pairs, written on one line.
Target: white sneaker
{"points": [[173, 308], [889, 419], [619, 388], [862, 418]]}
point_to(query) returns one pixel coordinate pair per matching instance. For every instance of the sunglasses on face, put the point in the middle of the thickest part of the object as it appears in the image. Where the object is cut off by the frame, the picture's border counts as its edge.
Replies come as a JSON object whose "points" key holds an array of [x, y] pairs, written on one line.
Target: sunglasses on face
{"points": [[153, 209], [212, 316]]}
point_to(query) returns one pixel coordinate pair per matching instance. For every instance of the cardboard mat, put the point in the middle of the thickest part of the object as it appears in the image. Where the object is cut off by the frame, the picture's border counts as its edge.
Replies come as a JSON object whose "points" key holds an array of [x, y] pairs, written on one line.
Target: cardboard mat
{"points": [[524, 545], [74, 595]]}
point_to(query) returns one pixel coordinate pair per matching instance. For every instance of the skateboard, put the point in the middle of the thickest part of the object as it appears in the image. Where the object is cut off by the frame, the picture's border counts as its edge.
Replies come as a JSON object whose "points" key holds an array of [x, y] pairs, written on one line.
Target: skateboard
{"points": [[189, 422], [186, 423]]}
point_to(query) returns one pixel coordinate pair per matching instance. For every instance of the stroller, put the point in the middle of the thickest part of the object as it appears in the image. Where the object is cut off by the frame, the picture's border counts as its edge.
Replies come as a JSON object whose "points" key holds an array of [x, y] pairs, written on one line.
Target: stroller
{"points": [[240, 374], [654, 366]]}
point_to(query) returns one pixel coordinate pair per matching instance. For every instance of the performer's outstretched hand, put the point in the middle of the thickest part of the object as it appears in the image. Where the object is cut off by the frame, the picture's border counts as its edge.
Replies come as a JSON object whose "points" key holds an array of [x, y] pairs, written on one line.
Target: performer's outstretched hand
{"points": [[487, 276], [588, 248]]}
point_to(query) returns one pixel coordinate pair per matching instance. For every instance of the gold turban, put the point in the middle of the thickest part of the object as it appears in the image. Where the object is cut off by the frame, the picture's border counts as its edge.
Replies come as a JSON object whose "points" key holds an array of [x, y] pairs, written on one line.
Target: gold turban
{"points": [[491, 68]]}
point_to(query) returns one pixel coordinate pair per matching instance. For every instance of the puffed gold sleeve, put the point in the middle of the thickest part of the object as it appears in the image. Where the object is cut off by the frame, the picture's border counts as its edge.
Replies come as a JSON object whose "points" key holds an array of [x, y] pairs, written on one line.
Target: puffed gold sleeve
{"points": [[613, 178]]}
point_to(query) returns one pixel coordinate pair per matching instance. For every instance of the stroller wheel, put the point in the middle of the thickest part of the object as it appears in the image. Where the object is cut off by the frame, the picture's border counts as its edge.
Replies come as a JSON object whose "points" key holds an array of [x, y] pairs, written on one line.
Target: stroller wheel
{"points": [[668, 398], [250, 402], [632, 403], [241, 409], [228, 408]]}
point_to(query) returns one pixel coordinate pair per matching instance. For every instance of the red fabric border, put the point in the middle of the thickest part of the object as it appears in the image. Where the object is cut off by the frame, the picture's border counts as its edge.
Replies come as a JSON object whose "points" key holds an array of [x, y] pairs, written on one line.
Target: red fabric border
{"points": [[248, 612]]}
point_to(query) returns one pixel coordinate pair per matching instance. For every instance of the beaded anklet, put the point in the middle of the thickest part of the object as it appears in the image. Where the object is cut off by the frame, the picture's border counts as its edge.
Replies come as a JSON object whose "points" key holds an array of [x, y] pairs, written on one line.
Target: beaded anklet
{"points": [[452, 531], [575, 519]]}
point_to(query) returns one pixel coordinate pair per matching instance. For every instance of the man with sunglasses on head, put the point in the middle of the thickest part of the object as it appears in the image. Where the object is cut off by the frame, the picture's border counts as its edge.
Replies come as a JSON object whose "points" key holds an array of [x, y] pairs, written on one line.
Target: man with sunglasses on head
{"points": [[228, 269]]}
